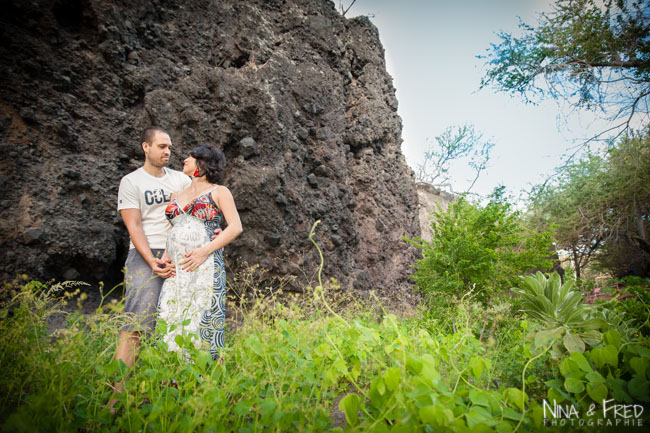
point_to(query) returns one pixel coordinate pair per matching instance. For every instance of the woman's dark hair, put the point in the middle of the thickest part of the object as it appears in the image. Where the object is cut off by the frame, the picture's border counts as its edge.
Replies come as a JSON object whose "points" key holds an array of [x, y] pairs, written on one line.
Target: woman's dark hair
{"points": [[210, 162]]}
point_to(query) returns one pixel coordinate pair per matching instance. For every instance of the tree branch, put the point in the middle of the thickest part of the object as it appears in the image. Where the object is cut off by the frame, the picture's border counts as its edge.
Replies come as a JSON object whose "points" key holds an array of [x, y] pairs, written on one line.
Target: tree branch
{"points": [[346, 11]]}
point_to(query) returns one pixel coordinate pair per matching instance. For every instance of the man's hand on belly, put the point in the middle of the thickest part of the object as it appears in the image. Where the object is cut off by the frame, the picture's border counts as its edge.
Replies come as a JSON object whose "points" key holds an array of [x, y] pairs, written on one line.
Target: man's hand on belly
{"points": [[217, 232]]}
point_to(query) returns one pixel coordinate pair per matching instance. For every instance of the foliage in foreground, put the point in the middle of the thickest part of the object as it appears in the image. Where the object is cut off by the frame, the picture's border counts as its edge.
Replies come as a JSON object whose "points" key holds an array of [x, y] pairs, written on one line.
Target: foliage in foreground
{"points": [[633, 303], [613, 366], [614, 370], [285, 369], [279, 374]]}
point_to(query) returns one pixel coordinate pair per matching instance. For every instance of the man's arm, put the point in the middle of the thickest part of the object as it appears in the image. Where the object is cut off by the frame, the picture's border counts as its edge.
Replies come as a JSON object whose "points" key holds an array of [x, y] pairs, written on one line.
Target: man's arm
{"points": [[133, 221]]}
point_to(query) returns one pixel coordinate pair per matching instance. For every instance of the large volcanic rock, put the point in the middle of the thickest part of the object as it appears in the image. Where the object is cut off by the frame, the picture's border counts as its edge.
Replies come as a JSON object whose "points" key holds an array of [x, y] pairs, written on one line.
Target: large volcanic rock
{"points": [[431, 199], [297, 96]]}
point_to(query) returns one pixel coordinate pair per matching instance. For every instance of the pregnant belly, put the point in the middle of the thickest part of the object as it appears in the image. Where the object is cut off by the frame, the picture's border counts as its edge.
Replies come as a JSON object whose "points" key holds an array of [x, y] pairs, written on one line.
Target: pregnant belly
{"points": [[186, 235]]}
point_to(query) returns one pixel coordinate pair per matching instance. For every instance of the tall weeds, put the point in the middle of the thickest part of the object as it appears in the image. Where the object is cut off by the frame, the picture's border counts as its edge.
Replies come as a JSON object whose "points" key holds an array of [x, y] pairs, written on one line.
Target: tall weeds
{"points": [[293, 364]]}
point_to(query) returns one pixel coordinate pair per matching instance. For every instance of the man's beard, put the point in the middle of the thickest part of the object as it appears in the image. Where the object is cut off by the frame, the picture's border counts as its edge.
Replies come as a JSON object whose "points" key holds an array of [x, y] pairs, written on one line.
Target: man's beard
{"points": [[159, 163]]}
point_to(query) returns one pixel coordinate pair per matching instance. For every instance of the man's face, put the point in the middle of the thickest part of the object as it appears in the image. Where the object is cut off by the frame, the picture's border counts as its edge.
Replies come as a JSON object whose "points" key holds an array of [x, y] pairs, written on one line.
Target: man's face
{"points": [[158, 151]]}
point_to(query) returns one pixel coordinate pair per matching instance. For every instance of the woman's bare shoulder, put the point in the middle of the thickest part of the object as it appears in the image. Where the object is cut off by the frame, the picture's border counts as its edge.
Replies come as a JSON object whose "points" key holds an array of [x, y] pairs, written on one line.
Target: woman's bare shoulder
{"points": [[221, 190]]}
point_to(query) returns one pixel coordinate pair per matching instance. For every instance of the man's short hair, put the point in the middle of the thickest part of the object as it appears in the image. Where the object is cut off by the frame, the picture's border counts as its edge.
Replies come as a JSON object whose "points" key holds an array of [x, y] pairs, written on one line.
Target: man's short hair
{"points": [[148, 134]]}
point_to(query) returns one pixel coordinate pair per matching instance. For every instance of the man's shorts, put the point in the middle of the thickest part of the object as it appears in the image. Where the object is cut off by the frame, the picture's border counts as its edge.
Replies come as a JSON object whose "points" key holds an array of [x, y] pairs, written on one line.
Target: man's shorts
{"points": [[142, 292]]}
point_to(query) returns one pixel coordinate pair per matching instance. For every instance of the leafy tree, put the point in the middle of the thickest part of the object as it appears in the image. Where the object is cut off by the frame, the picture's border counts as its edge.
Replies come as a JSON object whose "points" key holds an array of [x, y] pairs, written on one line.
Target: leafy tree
{"points": [[478, 248], [600, 207], [626, 184], [573, 208], [455, 143], [594, 54]]}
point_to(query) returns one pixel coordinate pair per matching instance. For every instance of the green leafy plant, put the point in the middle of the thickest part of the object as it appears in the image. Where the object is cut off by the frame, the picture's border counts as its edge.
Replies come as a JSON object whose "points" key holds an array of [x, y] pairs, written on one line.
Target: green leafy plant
{"points": [[283, 369], [478, 249], [562, 311], [633, 303], [278, 375], [614, 370]]}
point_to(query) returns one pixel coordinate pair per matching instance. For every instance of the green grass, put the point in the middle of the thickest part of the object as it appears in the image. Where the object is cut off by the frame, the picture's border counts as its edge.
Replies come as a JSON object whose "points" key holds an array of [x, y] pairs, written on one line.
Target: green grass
{"points": [[290, 366], [283, 370]]}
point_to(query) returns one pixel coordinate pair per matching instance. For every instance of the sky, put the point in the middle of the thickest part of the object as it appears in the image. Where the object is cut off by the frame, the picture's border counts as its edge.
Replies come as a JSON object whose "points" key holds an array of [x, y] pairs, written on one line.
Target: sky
{"points": [[431, 49]]}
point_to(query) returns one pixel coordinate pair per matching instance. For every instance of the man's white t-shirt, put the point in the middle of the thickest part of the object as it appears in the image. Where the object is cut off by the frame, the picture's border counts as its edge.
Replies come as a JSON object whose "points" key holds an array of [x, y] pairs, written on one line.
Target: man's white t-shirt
{"points": [[150, 194]]}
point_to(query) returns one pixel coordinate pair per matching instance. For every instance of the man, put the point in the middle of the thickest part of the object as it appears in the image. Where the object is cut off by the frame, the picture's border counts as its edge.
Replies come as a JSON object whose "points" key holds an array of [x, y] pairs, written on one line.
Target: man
{"points": [[142, 198]]}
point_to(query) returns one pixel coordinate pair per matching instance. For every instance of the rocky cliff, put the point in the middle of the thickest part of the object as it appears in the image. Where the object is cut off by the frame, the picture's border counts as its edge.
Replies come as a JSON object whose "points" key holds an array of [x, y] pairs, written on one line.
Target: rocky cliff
{"points": [[431, 199], [296, 95]]}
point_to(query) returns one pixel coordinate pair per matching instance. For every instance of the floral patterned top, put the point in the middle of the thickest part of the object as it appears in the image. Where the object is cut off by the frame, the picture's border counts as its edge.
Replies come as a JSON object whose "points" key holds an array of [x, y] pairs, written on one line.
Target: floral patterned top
{"points": [[202, 207]]}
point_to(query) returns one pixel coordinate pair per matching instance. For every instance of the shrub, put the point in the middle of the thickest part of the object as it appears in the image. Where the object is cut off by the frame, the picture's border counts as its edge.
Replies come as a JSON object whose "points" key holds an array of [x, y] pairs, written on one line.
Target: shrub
{"points": [[477, 248], [635, 308]]}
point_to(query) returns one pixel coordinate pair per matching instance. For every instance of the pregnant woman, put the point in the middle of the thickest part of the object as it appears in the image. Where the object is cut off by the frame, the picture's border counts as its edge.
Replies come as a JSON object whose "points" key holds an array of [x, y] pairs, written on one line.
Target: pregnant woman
{"points": [[194, 299]]}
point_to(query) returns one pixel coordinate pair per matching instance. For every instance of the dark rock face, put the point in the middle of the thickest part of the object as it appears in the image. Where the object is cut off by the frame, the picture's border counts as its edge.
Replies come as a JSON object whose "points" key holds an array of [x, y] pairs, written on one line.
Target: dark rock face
{"points": [[296, 96]]}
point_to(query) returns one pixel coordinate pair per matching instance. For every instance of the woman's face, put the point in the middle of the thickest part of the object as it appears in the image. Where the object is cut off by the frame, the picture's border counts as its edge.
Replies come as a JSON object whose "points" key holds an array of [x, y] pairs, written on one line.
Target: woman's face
{"points": [[189, 167]]}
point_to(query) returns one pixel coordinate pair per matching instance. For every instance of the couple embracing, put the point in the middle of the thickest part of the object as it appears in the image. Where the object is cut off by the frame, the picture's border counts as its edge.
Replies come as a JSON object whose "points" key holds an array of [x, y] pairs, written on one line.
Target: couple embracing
{"points": [[175, 266]]}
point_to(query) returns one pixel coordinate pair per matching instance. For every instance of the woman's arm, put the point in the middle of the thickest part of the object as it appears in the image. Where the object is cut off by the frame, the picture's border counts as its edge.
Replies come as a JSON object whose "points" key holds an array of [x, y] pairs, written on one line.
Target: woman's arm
{"points": [[226, 203]]}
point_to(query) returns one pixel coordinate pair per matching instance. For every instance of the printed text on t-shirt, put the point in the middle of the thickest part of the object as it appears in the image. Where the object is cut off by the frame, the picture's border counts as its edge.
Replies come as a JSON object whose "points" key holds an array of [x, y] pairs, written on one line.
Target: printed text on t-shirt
{"points": [[156, 196]]}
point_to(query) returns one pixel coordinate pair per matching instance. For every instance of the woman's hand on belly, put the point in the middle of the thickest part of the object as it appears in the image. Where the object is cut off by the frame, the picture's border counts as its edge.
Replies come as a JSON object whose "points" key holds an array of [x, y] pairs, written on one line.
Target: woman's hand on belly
{"points": [[194, 259]]}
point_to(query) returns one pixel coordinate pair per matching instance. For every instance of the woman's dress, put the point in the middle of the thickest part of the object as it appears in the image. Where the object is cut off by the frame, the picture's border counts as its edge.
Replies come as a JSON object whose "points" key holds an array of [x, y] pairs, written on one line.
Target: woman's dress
{"points": [[193, 303]]}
